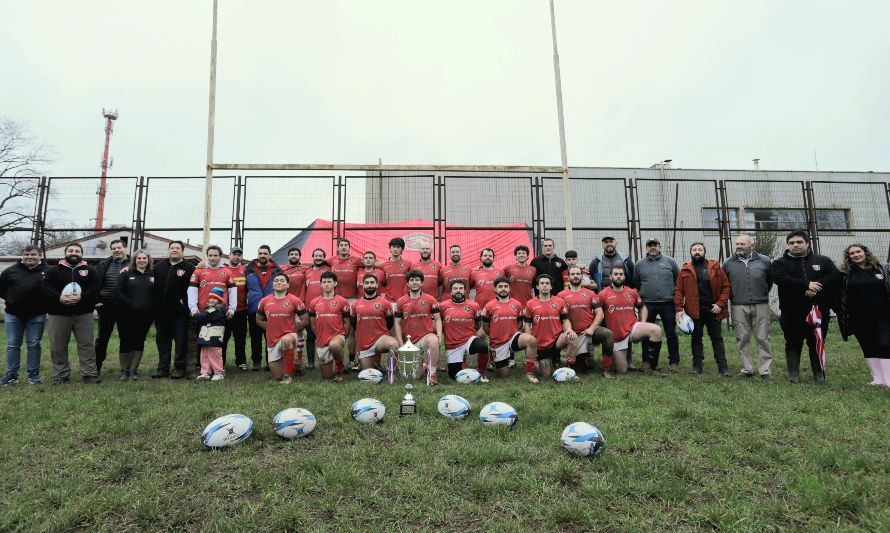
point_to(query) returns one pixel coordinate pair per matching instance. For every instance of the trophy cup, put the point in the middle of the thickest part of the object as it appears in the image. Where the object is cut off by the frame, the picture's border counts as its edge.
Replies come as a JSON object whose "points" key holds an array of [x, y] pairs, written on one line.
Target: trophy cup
{"points": [[410, 362], [409, 404]]}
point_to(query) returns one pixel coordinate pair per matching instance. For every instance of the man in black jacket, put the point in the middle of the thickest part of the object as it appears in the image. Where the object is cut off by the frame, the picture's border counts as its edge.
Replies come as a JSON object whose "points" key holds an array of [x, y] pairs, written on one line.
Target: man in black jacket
{"points": [[70, 290], [172, 277], [804, 279], [25, 314], [108, 269], [551, 264]]}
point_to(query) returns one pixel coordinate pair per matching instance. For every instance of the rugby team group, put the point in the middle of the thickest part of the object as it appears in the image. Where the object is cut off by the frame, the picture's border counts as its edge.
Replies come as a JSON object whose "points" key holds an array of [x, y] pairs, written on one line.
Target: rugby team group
{"points": [[345, 312]]}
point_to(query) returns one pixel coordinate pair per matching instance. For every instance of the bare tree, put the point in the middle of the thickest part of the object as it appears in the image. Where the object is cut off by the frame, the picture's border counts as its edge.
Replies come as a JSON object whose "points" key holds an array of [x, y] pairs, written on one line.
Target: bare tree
{"points": [[22, 156]]}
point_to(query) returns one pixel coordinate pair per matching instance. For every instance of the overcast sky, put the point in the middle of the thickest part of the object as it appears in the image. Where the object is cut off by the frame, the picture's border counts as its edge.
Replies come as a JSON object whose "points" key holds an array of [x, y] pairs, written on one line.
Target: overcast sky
{"points": [[709, 84]]}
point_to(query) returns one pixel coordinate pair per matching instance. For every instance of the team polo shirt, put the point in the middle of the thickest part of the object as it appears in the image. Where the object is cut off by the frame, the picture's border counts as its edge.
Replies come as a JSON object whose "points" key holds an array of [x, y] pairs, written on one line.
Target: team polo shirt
{"points": [[394, 274], [359, 283], [281, 315], [451, 273], [346, 270], [296, 276], [504, 320], [416, 315], [239, 278], [328, 314], [206, 278], [546, 318], [431, 270], [522, 279], [482, 279], [581, 304], [313, 282], [620, 309], [369, 316], [458, 321]]}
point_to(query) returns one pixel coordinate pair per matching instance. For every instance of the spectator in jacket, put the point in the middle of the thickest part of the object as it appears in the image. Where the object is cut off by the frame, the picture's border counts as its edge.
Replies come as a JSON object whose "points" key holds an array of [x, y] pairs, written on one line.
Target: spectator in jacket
{"points": [[551, 264], [655, 277], [750, 281], [863, 308], [171, 285], [135, 307], [25, 314], [70, 290], [804, 279], [703, 293], [601, 266], [237, 325], [108, 269], [260, 273]]}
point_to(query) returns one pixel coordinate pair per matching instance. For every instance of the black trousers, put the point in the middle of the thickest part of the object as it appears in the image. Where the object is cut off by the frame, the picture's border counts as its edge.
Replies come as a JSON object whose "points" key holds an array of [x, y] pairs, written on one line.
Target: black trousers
{"points": [[796, 331], [708, 320], [172, 328], [108, 315], [668, 315], [132, 327], [257, 338], [236, 327]]}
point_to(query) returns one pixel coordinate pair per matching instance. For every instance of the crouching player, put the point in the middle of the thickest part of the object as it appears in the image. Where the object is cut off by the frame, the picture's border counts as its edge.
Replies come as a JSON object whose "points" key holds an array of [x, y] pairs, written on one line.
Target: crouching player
{"points": [[417, 316], [282, 315], [547, 319], [586, 315], [329, 315], [621, 304], [461, 319], [502, 320], [372, 317]]}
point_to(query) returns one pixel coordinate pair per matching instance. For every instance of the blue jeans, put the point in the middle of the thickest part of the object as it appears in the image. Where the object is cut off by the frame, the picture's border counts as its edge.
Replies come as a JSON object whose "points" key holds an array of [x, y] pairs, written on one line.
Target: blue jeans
{"points": [[32, 330]]}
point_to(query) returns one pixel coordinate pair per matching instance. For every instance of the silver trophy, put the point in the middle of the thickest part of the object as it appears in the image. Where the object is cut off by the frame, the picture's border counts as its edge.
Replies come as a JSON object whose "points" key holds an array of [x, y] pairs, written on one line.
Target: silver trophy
{"points": [[411, 361], [409, 404]]}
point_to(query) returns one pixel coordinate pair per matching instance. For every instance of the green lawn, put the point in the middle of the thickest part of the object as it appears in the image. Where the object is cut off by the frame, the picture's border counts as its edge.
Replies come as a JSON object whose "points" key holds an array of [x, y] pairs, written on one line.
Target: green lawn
{"points": [[690, 452]]}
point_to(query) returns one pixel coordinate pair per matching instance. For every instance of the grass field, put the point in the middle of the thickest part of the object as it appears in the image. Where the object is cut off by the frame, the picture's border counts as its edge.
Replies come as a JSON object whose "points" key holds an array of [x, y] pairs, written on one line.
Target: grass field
{"points": [[683, 452]]}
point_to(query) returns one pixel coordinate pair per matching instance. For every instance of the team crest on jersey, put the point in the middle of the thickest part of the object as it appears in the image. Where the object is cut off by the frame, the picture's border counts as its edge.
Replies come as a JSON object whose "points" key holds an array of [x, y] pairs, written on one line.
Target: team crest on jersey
{"points": [[553, 306], [203, 282], [83, 273], [879, 275], [558, 264], [513, 306], [467, 308], [377, 306], [817, 268], [423, 303], [180, 272], [628, 296], [287, 303], [334, 303], [222, 273], [584, 295]]}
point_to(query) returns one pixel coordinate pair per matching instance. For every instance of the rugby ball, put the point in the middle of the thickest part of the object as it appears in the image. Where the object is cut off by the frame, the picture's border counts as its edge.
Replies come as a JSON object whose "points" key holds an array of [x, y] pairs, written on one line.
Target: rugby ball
{"points": [[293, 423], [685, 324], [227, 430], [583, 440], [71, 288], [564, 375], [368, 411], [454, 407], [370, 375], [498, 414], [468, 376]]}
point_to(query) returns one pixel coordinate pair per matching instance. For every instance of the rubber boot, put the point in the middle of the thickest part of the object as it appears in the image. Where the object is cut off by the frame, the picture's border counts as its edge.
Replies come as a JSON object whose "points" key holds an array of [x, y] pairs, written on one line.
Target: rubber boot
{"points": [[723, 367], [134, 365], [793, 360], [125, 358]]}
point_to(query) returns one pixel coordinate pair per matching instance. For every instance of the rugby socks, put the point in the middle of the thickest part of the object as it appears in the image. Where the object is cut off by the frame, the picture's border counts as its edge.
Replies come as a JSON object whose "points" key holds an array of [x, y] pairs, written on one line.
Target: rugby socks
{"points": [[338, 367], [529, 366], [482, 363], [653, 349], [289, 366], [607, 363]]}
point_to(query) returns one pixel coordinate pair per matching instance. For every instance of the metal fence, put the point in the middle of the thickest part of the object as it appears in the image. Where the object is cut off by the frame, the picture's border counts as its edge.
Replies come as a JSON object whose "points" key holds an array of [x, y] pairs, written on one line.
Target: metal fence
{"points": [[249, 210]]}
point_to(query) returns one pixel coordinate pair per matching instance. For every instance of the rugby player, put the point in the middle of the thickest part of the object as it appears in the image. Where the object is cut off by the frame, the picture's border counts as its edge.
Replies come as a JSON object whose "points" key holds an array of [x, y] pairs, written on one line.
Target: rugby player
{"points": [[454, 271], [620, 305], [417, 316], [372, 317], [482, 278], [547, 319], [282, 316], [502, 320], [521, 275], [586, 316], [329, 316], [461, 318], [429, 268]]}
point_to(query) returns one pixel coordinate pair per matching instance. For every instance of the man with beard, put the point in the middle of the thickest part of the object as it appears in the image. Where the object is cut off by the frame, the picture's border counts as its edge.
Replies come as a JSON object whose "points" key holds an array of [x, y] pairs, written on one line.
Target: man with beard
{"points": [[656, 275], [237, 325], [429, 268], [25, 314], [329, 316], [71, 311], [296, 273], [417, 316], [281, 315], [454, 271], [171, 286], [108, 269], [482, 278], [502, 320], [703, 293], [461, 319], [521, 275], [549, 263], [547, 319], [313, 291], [601, 266], [260, 273], [372, 318], [620, 305], [586, 316], [394, 271]]}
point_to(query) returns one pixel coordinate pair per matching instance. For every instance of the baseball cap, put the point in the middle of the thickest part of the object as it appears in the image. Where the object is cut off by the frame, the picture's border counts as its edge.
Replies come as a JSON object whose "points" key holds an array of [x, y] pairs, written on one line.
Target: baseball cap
{"points": [[608, 238], [217, 293], [653, 241], [236, 249]]}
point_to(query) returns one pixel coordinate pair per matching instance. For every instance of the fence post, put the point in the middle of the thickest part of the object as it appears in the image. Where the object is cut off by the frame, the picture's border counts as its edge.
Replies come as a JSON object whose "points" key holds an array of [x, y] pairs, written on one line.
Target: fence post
{"points": [[537, 213], [237, 233], [137, 230], [439, 220], [633, 221], [37, 237], [725, 226], [809, 202]]}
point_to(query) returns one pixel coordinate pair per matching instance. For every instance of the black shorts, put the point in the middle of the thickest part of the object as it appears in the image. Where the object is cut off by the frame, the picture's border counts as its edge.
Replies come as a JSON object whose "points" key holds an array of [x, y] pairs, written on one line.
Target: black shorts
{"points": [[551, 354]]}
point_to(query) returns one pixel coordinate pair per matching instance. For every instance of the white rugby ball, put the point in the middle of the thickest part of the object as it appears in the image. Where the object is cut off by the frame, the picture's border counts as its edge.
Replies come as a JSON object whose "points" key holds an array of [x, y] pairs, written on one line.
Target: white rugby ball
{"points": [[370, 375], [454, 407], [498, 414], [468, 376], [227, 430], [71, 288], [583, 440], [294, 423], [685, 324], [564, 375], [368, 411]]}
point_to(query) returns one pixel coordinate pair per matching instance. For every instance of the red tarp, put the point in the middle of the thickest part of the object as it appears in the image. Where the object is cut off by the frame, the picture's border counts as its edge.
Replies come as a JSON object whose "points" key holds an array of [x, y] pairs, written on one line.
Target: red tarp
{"points": [[375, 237]]}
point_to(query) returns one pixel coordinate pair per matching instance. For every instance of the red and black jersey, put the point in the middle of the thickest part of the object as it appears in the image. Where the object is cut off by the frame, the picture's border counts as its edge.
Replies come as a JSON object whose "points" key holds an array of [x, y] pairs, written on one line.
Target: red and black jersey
{"points": [[546, 318], [522, 279], [394, 272], [482, 279], [328, 314], [313, 282], [370, 317], [459, 321], [346, 270], [206, 278], [296, 275], [359, 283], [416, 315], [620, 309], [239, 278], [450, 273], [582, 304], [430, 270], [281, 316], [504, 320]]}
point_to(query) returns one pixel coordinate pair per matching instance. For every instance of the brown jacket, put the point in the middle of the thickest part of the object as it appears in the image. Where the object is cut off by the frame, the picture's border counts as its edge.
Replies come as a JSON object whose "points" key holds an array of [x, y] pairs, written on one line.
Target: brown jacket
{"points": [[686, 293]]}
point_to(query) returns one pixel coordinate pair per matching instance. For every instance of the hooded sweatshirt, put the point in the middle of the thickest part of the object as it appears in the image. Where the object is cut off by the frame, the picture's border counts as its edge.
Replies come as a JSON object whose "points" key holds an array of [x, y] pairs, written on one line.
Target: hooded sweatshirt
{"points": [[54, 280]]}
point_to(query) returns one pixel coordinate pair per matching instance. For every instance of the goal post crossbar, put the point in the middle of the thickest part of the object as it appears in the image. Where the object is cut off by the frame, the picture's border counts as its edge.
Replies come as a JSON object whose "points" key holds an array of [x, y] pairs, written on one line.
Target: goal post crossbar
{"points": [[386, 168]]}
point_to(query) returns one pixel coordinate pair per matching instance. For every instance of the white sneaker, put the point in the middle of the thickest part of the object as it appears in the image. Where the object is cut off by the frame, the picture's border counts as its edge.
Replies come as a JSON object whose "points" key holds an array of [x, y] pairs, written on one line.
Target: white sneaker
{"points": [[530, 376], [286, 380], [203, 376], [218, 377], [512, 363], [483, 379]]}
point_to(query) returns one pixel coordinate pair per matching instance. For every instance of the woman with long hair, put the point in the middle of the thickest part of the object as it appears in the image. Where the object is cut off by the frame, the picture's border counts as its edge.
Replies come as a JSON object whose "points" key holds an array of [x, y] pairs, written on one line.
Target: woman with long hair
{"points": [[135, 302], [863, 308]]}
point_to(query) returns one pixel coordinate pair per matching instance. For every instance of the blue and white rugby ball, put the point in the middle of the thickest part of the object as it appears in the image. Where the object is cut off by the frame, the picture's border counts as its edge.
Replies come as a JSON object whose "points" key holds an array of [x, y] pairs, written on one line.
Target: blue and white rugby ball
{"points": [[294, 423], [564, 375], [71, 288], [227, 430], [368, 411], [468, 376], [685, 324], [583, 440], [454, 407], [370, 375], [498, 414]]}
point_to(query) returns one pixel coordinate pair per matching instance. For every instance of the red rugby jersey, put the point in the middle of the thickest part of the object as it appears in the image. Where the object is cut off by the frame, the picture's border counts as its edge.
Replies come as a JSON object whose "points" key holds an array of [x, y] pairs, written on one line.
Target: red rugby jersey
{"points": [[504, 320], [206, 278], [346, 270], [313, 282], [431, 270], [620, 309], [458, 321], [394, 272], [281, 315], [522, 279], [482, 279], [328, 315], [546, 318], [370, 320], [451, 273], [581, 304], [416, 315], [296, 275]]}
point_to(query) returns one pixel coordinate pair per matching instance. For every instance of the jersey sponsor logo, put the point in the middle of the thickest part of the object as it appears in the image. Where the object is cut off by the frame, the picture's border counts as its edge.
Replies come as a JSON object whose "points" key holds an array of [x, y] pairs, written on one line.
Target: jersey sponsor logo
{"points": [[817, 268]]}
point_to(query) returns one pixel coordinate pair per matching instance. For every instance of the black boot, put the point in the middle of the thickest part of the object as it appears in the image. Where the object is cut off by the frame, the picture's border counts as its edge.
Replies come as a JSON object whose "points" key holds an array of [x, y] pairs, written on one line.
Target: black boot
{"points": [[793, 360], [819, 377], [651, 350], [697, 365]]}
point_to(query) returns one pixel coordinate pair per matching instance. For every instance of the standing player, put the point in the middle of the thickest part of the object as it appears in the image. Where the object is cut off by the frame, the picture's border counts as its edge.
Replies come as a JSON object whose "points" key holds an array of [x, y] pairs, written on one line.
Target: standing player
{"points": [[521, 275], [329, 315], [454, 272], [394, 271], [586, 316], [502, 321], [369, 266], [572, 260], [482, 278], [207, 276], [313, 291], [461, 318], [237, 325], [345, 265], [430, 270], [547, 319], [296, 273], [621, 304], [417, 316], [282, 315], [371, 317]]}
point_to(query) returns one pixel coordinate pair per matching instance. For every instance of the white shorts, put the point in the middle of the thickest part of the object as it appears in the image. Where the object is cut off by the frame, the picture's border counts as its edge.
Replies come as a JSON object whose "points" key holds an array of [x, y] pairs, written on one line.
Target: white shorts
{"points": [[625, 342], [581, 343], [323, 353], [457, 355], [503, 352], [370, 352], [274, 353]]}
